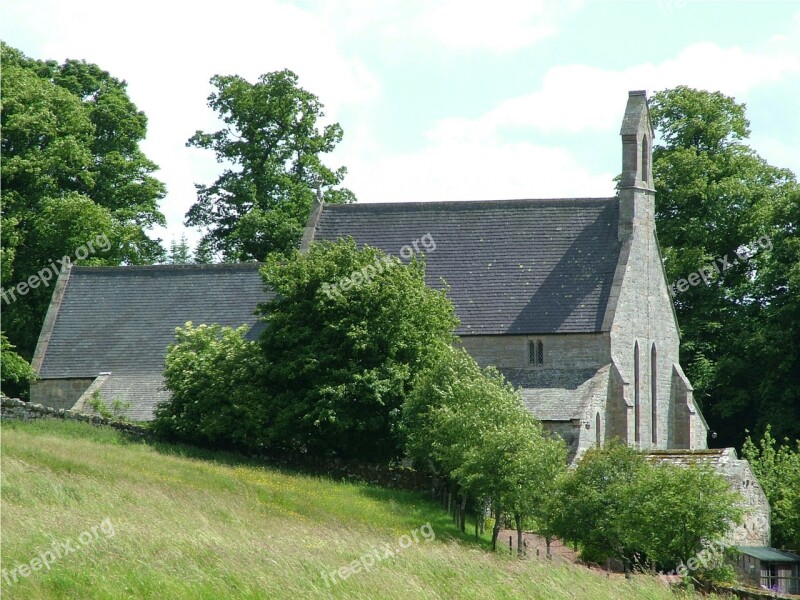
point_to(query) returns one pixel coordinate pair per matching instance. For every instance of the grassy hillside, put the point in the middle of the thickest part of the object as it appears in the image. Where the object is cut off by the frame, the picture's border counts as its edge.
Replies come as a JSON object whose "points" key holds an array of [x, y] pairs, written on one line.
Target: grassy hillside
{"points": [[175, 522]]}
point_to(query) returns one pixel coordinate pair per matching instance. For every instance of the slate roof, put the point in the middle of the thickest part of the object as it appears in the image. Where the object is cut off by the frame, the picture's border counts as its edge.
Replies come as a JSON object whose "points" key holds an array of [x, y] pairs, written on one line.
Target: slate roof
{"points": [[142, 390], [713, 457], [121, 319], [559, 394], [513, 266]]}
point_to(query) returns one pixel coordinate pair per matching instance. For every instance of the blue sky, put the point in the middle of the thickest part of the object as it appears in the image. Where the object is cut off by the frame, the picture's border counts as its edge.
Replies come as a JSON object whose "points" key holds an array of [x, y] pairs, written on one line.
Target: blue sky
{"points": [[439, 100]]}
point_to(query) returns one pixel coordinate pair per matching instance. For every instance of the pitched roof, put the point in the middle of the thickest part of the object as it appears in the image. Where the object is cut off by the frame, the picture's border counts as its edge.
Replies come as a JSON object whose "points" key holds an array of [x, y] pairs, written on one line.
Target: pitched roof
{"points": [[142, 390], [513, 266], [765, 554], [121, 319]]}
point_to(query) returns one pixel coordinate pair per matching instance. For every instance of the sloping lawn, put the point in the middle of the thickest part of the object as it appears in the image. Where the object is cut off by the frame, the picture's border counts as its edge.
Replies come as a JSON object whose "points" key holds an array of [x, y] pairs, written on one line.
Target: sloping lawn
{"points": [[137, 520]]}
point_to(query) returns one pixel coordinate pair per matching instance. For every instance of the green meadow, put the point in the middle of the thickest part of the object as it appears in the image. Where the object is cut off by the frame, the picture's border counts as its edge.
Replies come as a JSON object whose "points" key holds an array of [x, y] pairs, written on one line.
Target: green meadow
{"points": [[161, 521]]}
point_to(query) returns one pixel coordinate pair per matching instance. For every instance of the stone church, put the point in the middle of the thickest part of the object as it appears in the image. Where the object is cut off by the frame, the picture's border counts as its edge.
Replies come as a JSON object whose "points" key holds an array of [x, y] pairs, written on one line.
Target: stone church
{"points": [[567, 297]]}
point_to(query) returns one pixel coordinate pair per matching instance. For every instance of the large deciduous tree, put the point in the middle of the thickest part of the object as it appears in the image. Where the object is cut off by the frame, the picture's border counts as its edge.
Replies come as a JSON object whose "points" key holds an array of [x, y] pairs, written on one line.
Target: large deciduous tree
{"points": [[72, 171], [716, 196], [272, 146], [346, 334]]}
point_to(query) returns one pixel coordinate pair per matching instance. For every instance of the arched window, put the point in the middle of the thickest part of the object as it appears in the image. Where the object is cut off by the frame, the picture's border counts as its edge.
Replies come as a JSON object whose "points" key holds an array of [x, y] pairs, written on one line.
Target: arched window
{"points": [[654, 393], [636, 417], [597, 433], [645, 159]]}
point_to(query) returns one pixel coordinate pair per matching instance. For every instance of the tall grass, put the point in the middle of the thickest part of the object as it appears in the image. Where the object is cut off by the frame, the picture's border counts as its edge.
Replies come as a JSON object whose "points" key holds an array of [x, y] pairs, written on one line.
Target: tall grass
{"points": [[195, 524]]}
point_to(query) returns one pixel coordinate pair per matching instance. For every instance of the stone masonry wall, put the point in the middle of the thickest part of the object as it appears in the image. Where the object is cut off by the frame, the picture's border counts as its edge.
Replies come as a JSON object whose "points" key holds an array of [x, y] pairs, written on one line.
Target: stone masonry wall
{"points": [[14, 408], [565, 351], [644, 314], [59, 393]]}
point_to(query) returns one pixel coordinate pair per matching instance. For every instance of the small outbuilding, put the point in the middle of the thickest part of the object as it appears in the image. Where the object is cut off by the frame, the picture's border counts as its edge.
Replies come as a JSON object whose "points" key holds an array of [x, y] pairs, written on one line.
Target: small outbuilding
{"points": [[769, 568]]}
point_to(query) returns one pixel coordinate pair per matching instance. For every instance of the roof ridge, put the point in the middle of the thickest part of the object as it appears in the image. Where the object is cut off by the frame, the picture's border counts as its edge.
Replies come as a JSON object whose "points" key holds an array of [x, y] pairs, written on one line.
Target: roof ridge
{"points": [[433, 203], [188, 267]]}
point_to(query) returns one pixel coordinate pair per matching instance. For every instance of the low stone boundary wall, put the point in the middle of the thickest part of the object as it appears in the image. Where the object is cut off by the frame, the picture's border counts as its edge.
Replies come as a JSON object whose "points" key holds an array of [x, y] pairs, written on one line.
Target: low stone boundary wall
{"points": [[388, 476], [396, 477], [14, 408], [750, 593]]}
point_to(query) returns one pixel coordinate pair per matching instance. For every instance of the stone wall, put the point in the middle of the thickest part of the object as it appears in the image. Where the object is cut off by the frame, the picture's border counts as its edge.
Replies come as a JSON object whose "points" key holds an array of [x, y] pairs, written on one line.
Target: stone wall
{"points": [[14, 408], [644, 315], [570, 432], [565, 351], [59, 393], [391, 476], [755, 530]]}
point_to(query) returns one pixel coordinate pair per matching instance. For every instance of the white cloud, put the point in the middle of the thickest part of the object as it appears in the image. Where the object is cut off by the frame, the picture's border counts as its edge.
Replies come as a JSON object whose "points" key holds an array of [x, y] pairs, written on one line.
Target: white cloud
{"points": [[473, 159], [580, 98], [452, 170], [454, 25], [498, 26]]}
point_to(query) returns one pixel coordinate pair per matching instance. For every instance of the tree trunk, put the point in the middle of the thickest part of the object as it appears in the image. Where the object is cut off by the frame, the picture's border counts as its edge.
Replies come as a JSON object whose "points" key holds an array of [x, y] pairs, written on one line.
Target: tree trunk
{"points": [[463, 514], [496, 530], [547, 541], [518, 521]]}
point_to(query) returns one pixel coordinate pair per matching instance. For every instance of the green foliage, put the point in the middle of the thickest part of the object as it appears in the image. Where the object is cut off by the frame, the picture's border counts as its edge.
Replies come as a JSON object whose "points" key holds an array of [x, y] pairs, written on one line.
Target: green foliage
{"points": [[273, 144], [472, 426], [213, 374], [715, 195], [179, 252], [778, 471], [670, 510], [15, 369], [72, 170], [116, 411], [340, 362], [617, 504], [593, 500]]}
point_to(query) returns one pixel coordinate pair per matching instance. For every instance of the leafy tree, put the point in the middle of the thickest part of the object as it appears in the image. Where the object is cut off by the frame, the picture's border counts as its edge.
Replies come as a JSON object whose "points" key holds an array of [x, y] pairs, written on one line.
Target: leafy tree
{"points": [[71, 171], [716, 196], [346, 333], [618, 504], [594, 499], [672, 510], [273, 145], [213, 374], [15, 369], [778, 471], [473, 427]]}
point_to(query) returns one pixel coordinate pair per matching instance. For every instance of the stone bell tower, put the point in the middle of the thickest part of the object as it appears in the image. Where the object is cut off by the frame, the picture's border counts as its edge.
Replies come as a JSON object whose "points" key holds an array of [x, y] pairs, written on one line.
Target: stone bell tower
{"points": [[636, 191]]}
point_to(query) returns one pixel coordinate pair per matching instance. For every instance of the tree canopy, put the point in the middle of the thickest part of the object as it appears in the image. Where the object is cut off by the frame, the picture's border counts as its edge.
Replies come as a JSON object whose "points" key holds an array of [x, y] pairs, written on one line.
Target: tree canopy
{"points": [[272, 145], [72, 172], [777, 467], [345, 335], [472, 427], [714, 197]]}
